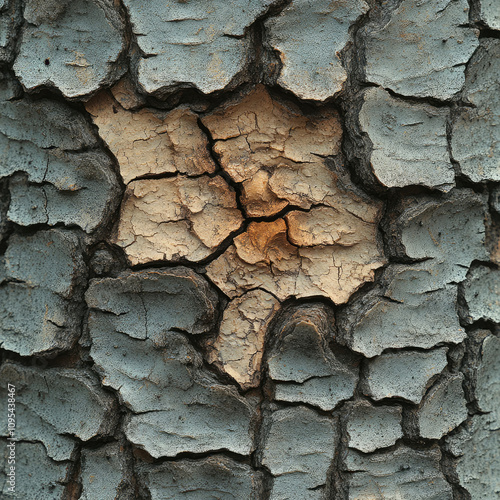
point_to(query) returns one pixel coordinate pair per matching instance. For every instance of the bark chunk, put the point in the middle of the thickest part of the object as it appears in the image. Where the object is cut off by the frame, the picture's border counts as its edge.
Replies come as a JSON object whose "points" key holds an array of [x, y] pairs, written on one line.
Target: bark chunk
{"points": [[475, 139], [372, 427], [104, 473], [422, 49], [404, 374], [175, 405], [213, 477], [42, 476], [400, 474], [203, 45], [417, 305], [490, 14], [71, 45], [146, 143], [52, 179], [312, 68], [56, 405], [482, 295], [299, 446], [443, 408], [480, 438], [302, 364], [409, 141], [422, 318], [450, 231], [239, 347], [192, 303], [40, 299], [488, 378]]}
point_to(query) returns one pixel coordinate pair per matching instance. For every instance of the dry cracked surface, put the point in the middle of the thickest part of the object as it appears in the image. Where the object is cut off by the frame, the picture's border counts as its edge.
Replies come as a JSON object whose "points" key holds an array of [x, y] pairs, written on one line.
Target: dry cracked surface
{"points": [[325, 242], [249, 249]]}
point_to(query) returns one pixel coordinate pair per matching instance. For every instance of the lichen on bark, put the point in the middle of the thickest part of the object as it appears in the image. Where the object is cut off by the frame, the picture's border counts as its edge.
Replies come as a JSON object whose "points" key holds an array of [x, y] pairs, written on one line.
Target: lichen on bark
{"points": [[249, 249]]}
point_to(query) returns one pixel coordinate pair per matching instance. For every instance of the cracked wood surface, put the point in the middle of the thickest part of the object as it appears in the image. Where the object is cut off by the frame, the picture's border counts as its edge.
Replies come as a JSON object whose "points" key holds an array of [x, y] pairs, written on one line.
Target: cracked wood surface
{"points": [[145, 143], [311, 59], [239, 346], [331, 247], [249, 249], [176, 218]]}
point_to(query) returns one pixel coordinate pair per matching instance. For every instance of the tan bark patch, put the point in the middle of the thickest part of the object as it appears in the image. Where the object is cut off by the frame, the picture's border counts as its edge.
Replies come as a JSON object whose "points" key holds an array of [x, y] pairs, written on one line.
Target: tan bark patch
{"points": [[259, 137], [176, 218], [146, 143], [258, 199], [327, 226], [277, 154], [239, 347]]}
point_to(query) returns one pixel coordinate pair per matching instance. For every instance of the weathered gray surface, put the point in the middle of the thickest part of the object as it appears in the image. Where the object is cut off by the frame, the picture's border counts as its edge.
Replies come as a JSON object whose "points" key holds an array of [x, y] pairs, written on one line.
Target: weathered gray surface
{"points": [[48, 412], [303, 366], [421, 48], [476, 444], [63, 193], [299, 464], [450, 231], [28, 120], [55, 410], [59, 174], [71, 45], [104, 474], [409, 141], [10, 20], [36, 321], [4, 206], [50, 259], [490, 13], [214, 477], [331, 168], [405, 374], [482, 294], [475, 142], [203, 45], [39, 308], [488, 378], [417, 305], [381, 321], [135, 302], [443, 408], [33, 427], [474, 368], [312, 68], [41, 476], [402, 474], [135, 327], [372, 427]]}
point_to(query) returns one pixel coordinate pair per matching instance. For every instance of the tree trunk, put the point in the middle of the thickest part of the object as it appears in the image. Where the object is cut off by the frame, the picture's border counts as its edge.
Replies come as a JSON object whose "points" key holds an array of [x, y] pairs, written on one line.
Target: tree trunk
{"points": [[250, 249]]}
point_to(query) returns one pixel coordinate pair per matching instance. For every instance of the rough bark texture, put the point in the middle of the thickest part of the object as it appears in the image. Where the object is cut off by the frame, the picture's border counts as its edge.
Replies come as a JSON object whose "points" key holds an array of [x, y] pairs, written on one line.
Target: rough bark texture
{"points": [[250, 249]]}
